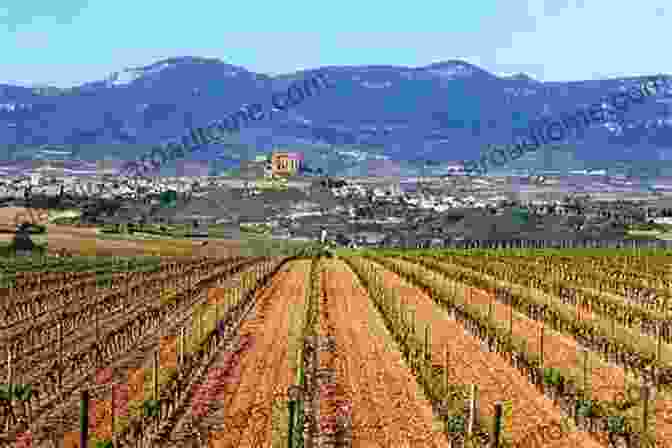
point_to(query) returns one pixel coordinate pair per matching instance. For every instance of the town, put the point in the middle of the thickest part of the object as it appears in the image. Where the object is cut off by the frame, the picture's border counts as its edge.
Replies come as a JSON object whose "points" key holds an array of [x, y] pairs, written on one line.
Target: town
{"points": [[277, 197]]}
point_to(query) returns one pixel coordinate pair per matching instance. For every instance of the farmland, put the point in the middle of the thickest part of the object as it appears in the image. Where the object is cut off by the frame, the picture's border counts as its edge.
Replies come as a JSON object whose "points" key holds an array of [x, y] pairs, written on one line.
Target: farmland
{"points": [[450, 348]]}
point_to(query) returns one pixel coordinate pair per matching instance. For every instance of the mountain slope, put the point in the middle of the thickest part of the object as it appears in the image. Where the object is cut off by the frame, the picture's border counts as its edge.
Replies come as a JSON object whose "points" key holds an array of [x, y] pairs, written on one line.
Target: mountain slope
{"points": [[445, 111]]}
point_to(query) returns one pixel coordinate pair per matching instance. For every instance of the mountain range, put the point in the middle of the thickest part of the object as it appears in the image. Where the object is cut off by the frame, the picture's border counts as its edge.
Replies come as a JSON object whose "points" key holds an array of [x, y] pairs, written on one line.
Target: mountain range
{"points": [[443, 112]]}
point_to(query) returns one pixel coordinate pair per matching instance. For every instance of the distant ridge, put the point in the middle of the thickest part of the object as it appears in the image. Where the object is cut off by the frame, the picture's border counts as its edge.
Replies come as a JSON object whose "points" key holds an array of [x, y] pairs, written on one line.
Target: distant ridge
{"points": [[446, 110]]}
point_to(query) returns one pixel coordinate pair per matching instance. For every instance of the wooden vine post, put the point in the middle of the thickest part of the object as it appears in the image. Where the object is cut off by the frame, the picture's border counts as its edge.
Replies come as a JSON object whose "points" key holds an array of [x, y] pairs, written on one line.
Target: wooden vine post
{"points": [[490, 307], [446, 369], [645, 408], [189, 286], [543, 327], [156, 381], [201, 323], [181, 353], [197, 321], [9, 380], [510, 318], [428, 337], [473, 409], [84, 419], [660, 340], [95, 319], [498, 425], [585, 369], [541, 345]]}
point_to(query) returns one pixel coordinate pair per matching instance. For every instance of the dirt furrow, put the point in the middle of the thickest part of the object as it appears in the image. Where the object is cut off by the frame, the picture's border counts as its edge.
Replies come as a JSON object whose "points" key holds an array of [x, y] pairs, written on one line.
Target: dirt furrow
{"points": [[388, 406], [248, 389], [497, 380], [59, 417], [563, 352]]}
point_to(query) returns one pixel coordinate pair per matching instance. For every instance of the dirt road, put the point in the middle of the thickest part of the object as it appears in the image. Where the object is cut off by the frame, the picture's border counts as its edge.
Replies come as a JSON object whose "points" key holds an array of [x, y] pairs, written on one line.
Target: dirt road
{"points": [[85, 240]]}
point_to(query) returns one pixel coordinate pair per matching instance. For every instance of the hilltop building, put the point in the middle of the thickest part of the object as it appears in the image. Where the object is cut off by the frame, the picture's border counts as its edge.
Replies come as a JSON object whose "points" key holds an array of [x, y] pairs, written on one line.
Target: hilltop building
{"points": [[286, 163]]}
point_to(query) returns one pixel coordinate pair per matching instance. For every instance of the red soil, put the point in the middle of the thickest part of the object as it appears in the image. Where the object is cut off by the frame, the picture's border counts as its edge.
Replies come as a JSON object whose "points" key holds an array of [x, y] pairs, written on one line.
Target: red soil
{"points": [[562, 351], [239, 395], [496, 378], [386, 401]]}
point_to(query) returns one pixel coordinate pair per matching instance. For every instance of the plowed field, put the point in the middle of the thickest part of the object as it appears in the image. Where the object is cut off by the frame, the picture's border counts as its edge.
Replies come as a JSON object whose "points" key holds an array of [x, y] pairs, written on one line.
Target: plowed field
{"points": [[388, 408], [342, 346], [497, 380], [562, 351], [245, 390]]}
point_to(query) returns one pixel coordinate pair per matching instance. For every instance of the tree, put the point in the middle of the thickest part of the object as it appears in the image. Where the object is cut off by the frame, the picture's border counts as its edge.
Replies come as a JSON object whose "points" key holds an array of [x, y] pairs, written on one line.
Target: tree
{"points": [[168, 199], [520, 215]]}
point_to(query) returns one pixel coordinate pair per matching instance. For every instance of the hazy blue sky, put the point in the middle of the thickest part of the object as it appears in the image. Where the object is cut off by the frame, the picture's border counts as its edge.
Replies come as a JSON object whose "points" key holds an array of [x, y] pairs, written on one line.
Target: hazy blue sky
{"points": [[68, 42]]}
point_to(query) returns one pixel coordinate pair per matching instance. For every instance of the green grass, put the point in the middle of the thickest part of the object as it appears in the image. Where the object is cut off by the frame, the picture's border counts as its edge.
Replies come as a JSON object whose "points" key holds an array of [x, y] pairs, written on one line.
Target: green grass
{"points": [[134, 236], [9, 266], [258, 245], [7, 251], [578, 252], [262, 229], [169, 231], [56, 215]]}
